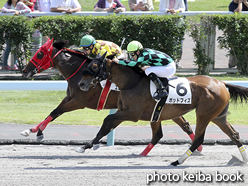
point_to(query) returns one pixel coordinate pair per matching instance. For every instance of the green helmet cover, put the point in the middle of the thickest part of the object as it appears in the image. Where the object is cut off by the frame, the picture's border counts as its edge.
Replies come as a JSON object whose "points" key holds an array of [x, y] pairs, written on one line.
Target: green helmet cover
{"points": [[134, 46], [87, 40]]}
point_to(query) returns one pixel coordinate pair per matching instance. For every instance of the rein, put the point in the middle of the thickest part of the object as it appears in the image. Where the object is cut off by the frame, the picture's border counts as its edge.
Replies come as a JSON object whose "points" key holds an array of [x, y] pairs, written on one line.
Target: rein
{"points": [[106, 74], [79, 66], [75, 71]]}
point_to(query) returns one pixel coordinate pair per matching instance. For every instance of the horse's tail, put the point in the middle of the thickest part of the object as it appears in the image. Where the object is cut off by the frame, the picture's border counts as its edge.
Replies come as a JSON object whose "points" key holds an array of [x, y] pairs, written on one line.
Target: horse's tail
{"points": [[237, 92]]}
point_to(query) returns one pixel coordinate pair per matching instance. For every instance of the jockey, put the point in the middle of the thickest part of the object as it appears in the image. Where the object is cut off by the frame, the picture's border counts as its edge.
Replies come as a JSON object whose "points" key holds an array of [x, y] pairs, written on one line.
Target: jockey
{"points": [[154, 63], [92, 46]]}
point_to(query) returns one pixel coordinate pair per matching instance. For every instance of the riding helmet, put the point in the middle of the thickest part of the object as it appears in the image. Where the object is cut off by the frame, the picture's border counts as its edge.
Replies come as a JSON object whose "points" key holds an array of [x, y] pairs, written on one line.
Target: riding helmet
{"points": [[87, 40], [134, 46]]}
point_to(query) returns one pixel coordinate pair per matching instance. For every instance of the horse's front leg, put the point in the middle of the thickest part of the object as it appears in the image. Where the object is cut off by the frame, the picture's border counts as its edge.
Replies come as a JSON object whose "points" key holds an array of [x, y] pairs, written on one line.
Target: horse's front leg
{"points": [[66, 105], [36, 128], [109, 124], [157, 134]]}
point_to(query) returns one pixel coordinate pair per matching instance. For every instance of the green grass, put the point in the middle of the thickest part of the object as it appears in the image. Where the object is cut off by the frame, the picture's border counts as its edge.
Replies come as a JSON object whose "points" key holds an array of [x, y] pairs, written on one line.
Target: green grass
{"points": [[209, 5], [32, 107], [197, 5]]}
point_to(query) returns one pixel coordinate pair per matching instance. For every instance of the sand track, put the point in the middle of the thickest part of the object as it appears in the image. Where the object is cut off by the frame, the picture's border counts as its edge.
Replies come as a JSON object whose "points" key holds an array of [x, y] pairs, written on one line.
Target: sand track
{"points": [[117, 166]]}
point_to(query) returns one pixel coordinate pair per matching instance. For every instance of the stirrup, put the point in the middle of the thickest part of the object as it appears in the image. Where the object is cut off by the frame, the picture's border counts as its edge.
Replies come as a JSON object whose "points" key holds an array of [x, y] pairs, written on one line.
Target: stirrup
{"points": [[161, 94]]}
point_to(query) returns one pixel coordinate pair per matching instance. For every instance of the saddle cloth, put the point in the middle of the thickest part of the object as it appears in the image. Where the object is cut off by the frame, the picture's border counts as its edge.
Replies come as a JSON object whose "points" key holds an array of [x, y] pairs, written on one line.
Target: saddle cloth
{"points": [[179, 92]]}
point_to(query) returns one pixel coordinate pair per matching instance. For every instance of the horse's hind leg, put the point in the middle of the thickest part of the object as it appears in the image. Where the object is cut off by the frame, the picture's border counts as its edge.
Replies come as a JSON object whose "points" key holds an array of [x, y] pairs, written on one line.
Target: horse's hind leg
{"points": [[185, 126], [226, 127], [157, 134]]}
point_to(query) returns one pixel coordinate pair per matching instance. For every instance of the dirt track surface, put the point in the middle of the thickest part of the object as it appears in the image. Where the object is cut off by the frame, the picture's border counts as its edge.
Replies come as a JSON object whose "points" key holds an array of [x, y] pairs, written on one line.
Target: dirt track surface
{"points": [[118, 165]]}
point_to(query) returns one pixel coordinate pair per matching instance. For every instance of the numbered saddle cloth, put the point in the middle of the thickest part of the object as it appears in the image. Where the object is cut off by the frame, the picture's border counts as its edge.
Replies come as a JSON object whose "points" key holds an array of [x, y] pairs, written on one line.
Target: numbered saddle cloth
{"points": [[179, 91]]}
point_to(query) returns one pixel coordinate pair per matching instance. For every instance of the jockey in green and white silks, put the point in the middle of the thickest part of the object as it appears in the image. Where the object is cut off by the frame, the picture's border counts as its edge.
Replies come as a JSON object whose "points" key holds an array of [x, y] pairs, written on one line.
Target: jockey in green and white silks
{"points": [[155, 64]]}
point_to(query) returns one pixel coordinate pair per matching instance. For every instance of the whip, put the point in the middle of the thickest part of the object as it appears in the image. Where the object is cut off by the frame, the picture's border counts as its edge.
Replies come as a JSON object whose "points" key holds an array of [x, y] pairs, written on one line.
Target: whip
{"points": [[122, 42]]}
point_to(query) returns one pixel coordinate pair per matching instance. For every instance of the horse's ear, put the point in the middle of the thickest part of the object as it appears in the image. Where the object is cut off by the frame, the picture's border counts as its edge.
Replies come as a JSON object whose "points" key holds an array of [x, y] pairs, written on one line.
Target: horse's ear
{"points": [[98, 56], [103, 56], [60, 44]]}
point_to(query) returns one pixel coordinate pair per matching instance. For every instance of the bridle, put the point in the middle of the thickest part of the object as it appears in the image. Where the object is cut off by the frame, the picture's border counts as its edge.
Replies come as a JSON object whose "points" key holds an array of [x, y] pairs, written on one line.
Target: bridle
{"points": [[102, 73], [47, 62], [44, 63]]}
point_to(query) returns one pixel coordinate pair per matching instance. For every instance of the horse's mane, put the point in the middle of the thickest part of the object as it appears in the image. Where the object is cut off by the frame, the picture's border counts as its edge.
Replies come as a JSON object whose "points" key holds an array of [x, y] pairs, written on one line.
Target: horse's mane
{"points": [[138, 70], [80, 54], [63, 43], [60, 44]]}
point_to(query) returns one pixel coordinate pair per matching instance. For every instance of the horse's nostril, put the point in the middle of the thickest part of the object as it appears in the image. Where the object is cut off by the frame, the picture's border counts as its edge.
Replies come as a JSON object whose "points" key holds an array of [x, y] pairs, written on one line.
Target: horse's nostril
{"points": [[81, 84]]}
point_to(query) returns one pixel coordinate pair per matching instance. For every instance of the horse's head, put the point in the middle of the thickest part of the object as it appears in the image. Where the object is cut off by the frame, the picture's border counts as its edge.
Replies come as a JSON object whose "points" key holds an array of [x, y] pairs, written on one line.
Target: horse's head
{"points": [[94, 73], [40, 61]]}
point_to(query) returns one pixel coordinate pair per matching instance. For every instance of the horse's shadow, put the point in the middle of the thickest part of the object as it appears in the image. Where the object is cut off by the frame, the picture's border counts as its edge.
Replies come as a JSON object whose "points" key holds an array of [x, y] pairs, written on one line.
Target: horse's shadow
{"points": [[127, 167], [71, 157], [83, 156]]}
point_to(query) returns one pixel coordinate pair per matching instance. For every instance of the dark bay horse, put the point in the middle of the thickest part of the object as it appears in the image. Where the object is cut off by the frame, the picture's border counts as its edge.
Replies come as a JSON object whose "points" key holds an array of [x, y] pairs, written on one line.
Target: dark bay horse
{"points": [[70, 64], [210, 99]]}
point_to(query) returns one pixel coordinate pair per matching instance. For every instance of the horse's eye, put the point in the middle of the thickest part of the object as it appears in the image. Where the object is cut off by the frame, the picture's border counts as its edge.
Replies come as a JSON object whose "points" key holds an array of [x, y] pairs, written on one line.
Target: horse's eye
{"points": [[94, 67], [40, 55]]}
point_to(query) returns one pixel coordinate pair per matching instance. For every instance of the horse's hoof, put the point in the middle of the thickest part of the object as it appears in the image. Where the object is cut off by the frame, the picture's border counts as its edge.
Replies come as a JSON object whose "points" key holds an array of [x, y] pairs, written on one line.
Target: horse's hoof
{"points": [[175, 163], [25, 133], [96, 146], [80, 150], [40, 138]]}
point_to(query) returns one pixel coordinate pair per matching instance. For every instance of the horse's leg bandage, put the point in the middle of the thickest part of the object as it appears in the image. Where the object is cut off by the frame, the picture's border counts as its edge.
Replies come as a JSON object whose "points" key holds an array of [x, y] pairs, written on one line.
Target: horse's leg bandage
{"points": [[45, 123], [184, 156], [243, 153], [42, 125], [192, 136], [147, 149]]}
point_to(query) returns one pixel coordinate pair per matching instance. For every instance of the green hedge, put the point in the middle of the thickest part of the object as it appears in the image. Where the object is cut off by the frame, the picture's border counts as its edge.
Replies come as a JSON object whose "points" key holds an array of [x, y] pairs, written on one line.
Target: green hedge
{"points": [[235, 37], [158, 32], [163, 33], [17, 30]]}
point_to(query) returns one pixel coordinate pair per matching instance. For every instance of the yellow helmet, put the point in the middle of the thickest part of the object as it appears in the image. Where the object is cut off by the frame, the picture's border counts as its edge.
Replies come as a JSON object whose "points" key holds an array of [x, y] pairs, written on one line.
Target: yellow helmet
{"points": [[134, 46]]}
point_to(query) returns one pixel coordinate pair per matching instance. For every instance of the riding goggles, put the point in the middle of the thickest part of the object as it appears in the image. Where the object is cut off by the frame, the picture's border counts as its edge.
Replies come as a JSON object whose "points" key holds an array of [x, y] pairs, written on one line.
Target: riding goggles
{"points": [[87, 48], [131, 55]]}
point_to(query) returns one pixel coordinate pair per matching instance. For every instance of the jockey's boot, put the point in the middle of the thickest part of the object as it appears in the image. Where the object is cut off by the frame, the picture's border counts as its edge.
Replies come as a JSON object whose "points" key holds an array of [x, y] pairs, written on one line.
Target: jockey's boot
{"points": [[161, 89]]}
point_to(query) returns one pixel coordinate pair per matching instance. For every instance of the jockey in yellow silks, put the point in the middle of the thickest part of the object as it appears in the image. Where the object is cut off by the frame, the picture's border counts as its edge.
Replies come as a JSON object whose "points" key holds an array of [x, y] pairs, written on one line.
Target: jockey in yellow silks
{"points": [[92, 46]]}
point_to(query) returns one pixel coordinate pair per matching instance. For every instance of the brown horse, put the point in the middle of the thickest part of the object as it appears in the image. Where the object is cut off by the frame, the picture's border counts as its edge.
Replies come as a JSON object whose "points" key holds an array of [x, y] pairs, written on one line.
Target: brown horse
{"points": [[70, 64], [210, 99]]}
